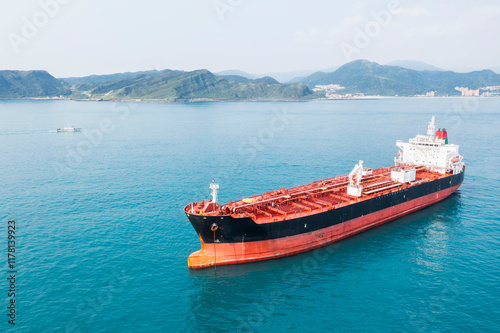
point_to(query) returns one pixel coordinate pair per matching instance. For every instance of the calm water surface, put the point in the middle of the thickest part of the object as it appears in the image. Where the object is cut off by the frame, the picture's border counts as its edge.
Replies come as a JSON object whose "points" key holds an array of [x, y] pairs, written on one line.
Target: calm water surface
{"points": [[102, 241]]}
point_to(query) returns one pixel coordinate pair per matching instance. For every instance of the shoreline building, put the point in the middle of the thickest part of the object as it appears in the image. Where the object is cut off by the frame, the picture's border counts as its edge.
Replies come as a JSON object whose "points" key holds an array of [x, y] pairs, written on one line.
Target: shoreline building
{"points": [[466, 92]]}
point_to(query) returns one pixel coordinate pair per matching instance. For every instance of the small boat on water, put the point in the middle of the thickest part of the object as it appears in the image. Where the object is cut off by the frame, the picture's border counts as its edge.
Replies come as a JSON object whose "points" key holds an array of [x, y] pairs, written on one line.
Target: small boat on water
{"points": [[69, 128]]}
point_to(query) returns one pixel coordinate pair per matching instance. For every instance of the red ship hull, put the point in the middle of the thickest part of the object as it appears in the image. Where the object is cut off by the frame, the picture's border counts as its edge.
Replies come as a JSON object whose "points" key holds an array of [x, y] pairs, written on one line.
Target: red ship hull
{"points": [[244, 252]]}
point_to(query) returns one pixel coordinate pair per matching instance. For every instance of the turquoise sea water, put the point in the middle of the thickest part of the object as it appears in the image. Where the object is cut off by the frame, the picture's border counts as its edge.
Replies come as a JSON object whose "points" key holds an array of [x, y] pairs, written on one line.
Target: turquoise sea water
{"points": [[102, 241]]}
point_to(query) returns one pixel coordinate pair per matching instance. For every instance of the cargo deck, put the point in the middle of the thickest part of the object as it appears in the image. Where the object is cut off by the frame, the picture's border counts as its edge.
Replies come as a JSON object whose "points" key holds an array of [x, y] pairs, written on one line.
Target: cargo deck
{"points": [[316, 197]]}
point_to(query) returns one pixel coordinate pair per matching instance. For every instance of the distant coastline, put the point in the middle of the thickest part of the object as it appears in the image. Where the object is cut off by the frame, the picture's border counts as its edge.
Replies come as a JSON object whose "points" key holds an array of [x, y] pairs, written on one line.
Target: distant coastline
{"points": [[199, 100], [356, 80]]}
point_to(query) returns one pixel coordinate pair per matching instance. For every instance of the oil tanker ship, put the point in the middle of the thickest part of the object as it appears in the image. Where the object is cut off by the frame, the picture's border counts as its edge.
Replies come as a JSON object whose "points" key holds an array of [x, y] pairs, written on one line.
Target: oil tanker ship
{"points": [[292, 220]]}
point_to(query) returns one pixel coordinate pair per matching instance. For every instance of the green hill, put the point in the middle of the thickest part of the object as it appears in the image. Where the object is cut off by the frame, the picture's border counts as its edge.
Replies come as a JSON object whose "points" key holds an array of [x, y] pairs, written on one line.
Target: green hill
{"points": [[235, 78], [168, 85], [22, 84], [360, 76], [370, 78], [103, 78]]}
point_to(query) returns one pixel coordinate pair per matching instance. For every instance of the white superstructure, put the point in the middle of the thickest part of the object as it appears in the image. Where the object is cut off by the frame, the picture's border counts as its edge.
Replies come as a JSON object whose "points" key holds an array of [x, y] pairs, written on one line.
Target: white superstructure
{"points": [[431, 150]]}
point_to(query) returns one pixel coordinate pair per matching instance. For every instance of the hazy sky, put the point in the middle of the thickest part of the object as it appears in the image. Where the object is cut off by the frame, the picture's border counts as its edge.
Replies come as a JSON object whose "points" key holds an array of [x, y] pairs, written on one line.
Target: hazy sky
{"points": [[77, 37]]}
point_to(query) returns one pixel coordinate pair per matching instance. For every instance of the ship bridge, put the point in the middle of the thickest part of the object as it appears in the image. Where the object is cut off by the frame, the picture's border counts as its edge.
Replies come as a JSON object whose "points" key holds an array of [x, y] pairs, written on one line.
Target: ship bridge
{"points": [[432, 151]]}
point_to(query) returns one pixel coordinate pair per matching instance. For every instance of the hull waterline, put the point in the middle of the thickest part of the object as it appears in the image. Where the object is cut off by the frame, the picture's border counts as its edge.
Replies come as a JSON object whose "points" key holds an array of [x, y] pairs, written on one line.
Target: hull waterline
{"points": [[245, 252]]}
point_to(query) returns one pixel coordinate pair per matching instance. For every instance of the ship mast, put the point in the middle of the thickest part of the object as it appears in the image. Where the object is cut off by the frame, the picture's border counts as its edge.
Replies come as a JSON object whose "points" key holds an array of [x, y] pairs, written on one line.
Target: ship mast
{"points": [[214, 186], [431, 129]]}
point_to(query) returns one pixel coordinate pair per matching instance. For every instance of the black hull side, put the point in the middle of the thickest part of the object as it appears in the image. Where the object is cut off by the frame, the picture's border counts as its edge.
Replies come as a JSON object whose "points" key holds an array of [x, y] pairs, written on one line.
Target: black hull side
{"points": [[235, 230]]}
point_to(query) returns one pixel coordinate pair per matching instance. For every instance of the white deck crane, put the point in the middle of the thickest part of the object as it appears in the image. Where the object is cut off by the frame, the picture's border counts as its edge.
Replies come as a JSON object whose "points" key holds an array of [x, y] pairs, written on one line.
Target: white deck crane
{"points": [[355, 188]]}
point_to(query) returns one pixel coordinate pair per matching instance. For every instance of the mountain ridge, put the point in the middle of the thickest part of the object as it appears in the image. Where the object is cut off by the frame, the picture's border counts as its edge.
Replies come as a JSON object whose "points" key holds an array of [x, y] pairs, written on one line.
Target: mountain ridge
{"points": [[34, 83], [371, 78], [173, 85], [414, 64], [359, 76]]}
